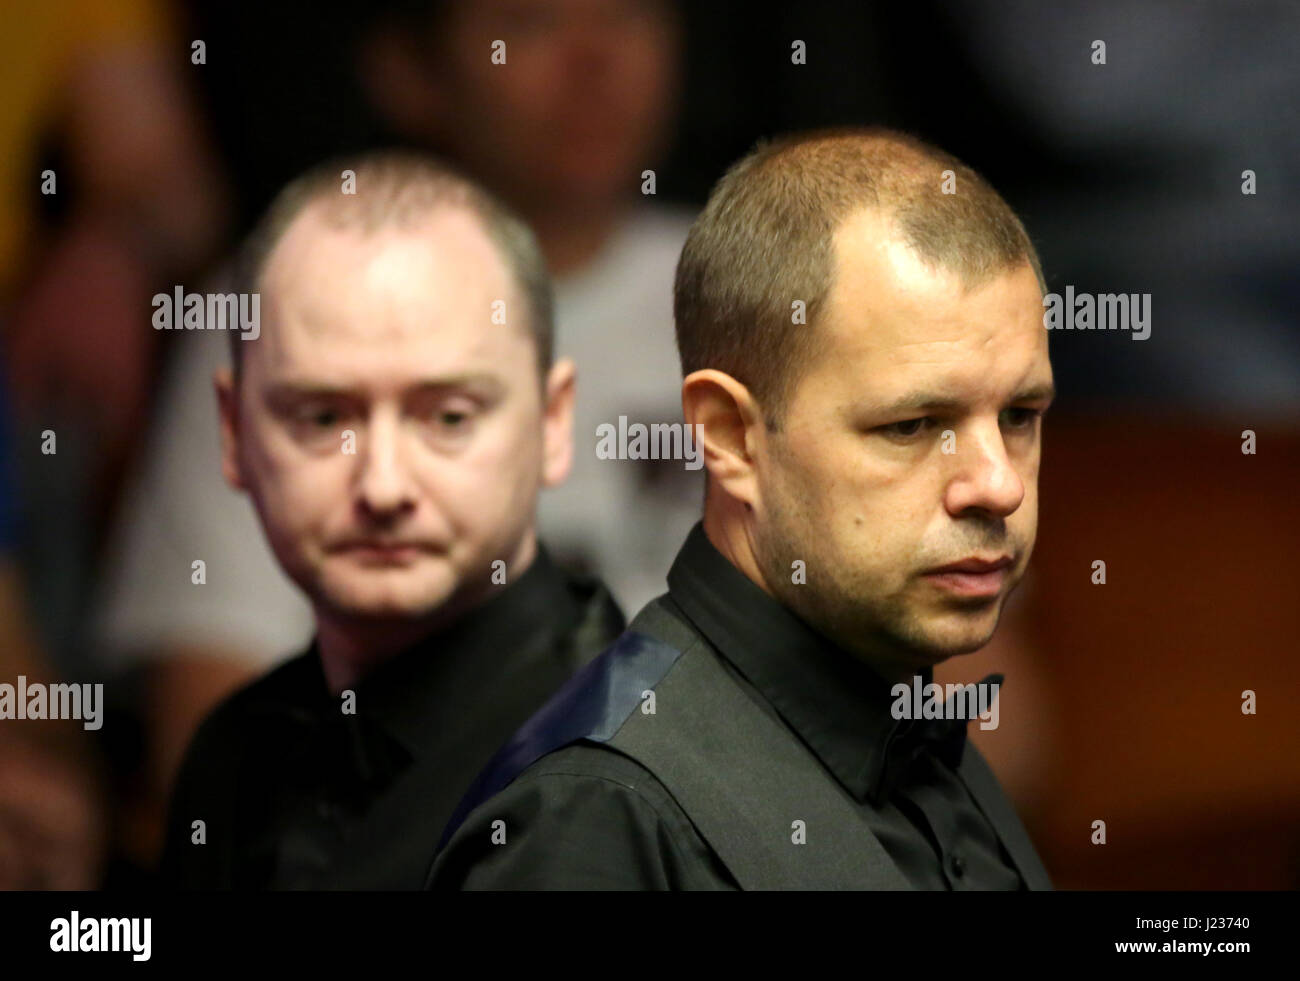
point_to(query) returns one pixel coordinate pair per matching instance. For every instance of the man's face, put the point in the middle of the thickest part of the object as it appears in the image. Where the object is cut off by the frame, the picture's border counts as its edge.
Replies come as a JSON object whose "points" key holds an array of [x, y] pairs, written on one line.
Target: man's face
{"points": [[390, 435], [580, 104], [861, 488]]}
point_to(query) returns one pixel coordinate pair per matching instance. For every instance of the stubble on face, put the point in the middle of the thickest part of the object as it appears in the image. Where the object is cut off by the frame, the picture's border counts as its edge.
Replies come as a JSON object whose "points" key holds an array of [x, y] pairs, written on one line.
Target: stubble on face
{"points": [[868, 516], [861, 611]]}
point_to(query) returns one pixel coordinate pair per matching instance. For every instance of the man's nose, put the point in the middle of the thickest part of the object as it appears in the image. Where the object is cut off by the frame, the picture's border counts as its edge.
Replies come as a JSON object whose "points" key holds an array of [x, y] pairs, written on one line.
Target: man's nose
{"points": [[385, 485], [985, 478]]}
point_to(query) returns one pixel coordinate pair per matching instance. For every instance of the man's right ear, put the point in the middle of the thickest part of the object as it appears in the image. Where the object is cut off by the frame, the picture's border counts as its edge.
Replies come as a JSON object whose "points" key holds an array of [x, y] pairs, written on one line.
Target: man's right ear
{"points": [[731, 430], [228, 414]]}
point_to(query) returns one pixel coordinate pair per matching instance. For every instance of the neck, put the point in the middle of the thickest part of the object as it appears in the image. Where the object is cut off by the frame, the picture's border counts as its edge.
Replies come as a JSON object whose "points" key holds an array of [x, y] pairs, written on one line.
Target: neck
{"points": [[730, 529], [352, 646]]}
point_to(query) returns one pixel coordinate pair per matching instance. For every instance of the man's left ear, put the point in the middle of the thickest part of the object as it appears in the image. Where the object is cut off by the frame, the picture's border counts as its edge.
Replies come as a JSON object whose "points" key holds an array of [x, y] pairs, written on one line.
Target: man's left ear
{"points": [[228, 414], [557, 424]]}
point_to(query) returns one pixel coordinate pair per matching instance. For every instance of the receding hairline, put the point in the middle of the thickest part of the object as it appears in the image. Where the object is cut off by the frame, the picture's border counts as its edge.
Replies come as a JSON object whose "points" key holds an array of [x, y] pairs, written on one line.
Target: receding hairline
{"points": [[422, 228], [907, 174], [325, 210], [770, 234], [892, 233], [401, 189]]}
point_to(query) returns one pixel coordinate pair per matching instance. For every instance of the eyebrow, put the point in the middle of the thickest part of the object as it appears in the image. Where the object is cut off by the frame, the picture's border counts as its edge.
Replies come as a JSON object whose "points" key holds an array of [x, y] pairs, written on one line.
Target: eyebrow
{"points": [[930, 401], [306, 389]]}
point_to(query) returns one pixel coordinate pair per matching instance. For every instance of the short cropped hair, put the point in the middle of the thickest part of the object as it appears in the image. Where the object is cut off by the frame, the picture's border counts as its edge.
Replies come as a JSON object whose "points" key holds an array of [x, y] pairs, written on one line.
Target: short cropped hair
{"points": [[401, 188], [766, 238]]}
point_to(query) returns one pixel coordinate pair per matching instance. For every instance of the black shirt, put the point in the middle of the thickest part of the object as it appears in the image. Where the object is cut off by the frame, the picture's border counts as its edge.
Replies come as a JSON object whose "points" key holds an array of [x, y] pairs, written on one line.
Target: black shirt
{"points": [[297, 793], [585, 816]]}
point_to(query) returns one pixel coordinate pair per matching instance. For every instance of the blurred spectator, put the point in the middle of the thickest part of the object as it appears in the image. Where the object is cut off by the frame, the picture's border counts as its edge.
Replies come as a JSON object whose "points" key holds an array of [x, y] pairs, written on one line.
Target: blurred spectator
{"points": [[106, 194], [563, 131], [51, 814]]}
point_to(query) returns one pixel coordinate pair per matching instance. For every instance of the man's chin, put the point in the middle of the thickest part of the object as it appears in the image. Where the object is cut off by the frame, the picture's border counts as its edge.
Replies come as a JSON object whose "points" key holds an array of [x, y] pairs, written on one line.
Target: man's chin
{"points": [[386, 600], [382, 608], [943, 641]]}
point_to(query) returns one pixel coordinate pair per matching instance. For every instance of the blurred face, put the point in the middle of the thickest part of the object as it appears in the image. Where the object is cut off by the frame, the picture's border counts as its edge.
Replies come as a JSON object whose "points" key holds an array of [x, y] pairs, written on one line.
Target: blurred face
{"points": [[858, 484], [391, 436], [579, 107]]}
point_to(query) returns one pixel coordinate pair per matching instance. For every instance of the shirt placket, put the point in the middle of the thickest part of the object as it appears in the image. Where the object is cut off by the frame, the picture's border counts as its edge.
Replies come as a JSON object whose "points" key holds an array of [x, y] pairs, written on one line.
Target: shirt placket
{"points": [[968, 850]]}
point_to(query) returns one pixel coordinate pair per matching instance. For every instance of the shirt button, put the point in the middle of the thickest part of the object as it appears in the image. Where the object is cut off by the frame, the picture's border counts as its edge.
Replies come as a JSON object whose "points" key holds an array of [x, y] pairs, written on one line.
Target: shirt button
{"points": [[958, 866]]}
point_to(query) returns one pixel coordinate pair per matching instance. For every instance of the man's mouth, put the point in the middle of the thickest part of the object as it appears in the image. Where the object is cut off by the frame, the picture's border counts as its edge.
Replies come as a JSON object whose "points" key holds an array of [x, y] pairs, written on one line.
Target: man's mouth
{"points": [[974, 576], [381, 552]]}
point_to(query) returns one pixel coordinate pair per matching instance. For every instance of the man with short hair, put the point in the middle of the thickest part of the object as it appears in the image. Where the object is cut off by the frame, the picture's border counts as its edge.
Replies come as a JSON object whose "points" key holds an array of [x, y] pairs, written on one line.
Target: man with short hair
{"points": [[859, 321], [565, 133], [393, 423]]}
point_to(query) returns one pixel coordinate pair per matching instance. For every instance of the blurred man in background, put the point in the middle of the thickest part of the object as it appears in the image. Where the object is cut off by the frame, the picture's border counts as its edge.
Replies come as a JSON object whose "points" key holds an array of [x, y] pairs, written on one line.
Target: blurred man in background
{"points": [[392, 420], [563, 131]]}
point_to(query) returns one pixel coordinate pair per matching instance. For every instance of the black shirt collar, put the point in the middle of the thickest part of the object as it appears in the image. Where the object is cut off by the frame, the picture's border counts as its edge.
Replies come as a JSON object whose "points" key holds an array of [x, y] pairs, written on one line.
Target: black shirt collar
{"points": [[832, 700]]}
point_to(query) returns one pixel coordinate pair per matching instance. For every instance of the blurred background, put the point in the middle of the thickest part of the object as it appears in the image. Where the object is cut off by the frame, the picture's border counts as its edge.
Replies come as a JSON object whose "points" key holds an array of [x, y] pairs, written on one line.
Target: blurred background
{"points": [[142, 137]]}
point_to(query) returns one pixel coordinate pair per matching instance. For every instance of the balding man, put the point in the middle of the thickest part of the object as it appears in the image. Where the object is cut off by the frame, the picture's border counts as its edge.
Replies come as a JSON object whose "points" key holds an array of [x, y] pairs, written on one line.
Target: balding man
{"points": [[393, 422], [859, 320]]}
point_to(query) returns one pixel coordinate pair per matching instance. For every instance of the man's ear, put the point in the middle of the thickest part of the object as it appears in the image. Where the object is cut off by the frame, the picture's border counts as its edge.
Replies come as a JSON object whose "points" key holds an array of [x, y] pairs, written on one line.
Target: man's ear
{"points": [[729, 425], [557, 423], [400, 85], [228, 413]]}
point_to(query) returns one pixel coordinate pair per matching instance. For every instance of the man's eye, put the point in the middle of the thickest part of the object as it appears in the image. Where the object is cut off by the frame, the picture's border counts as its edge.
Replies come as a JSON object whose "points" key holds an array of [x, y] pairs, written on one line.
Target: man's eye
{"points": [[450, 422], [1022, 418], [318, 417], [908, 427]]}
